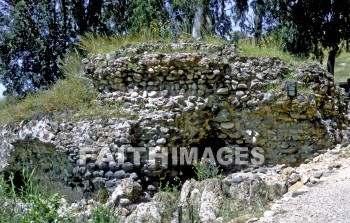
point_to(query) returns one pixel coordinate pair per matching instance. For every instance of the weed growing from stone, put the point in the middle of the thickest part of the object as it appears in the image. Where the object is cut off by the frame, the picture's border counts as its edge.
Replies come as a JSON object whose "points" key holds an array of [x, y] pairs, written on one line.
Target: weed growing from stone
{"points": [[230, 211], [273, 87], [27, 204], [104, 214], [169, 195], [32, 204], [206, 170], [173, 189]]}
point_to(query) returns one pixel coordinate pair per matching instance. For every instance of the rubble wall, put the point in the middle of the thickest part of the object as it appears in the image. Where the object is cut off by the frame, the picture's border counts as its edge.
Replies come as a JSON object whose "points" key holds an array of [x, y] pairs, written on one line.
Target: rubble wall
{"points": [[181, 99]]}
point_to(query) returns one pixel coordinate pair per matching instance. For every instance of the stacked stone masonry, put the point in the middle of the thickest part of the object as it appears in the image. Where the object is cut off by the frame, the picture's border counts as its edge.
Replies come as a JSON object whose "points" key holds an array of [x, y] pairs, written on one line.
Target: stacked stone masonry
{"points": [[181, 99]]}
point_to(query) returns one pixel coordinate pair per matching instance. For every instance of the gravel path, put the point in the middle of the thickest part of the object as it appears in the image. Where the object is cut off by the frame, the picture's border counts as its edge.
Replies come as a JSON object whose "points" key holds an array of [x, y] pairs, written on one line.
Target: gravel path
{"points": [[328, 202]]}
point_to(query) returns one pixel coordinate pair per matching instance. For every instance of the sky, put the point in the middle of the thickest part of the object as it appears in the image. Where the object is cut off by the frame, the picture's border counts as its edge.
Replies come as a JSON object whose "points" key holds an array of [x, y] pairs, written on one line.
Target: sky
{"points": [[2, 89]]}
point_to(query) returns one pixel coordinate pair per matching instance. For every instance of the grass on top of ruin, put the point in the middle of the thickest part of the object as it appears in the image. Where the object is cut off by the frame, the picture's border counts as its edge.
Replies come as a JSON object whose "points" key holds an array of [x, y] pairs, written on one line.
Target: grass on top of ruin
{"points": [[73, 99], [93, 44], [68, 99], [342, 67]]}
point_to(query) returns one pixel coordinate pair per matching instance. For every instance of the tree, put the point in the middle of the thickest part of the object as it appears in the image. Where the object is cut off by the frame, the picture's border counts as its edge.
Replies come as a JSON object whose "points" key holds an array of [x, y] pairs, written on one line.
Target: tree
{"points": [[198, 21], [308, 25], [34, 34], [189, 12], [209, 16], [148, 15], [239, 12], [258, 8], [115, 15], [221, 18], [29, 45]]}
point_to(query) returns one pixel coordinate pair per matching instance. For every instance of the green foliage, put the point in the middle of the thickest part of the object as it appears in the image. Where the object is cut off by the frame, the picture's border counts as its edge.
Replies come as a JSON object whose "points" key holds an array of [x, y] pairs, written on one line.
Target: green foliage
{"points": [[114, 17], [175, 189], [92, 43], [206, 170], [71, 97], [169, 195], [308, 25], [293, 40], [33, 204], [30, 43], [342, 67], [149, 16], [241, 8], [132, 66], [268, 48], [217, 20], [28, 205], [71, 64], [104, 214], [35, 34]]}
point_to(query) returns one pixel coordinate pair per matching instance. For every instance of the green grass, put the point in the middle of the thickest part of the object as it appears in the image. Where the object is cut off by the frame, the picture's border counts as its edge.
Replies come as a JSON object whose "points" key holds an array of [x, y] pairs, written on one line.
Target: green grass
{"points": [[206, 170], [273, 87], [71, 94], [104, 214], [248, 48], [34, 204], [29, 204], [94, 44], [71, 97], [342, 67]]}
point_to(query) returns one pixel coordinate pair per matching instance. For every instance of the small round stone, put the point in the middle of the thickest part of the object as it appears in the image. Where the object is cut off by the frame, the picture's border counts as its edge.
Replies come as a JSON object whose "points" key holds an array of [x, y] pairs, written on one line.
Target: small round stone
{"points": [[128, 166], [109, 174], [113, 166], [151, 187], [98, 173], [90, 166], [134, 176], [111, 183], [102, 166], [120, 174], [318, 174]]}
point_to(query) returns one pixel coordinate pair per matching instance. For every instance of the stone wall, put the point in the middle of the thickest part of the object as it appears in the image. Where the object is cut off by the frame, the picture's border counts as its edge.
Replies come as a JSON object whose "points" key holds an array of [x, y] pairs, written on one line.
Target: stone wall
{"points": [[241, 100], [209, 97]]}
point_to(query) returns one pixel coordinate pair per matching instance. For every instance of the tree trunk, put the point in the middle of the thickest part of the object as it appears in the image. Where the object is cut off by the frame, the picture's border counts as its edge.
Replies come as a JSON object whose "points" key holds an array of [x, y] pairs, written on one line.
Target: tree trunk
{"points": [[258, 17], [80, 16], [331, 58], [197, 22], [64, 22], [222, 17], [93, 13], [209, 25]]}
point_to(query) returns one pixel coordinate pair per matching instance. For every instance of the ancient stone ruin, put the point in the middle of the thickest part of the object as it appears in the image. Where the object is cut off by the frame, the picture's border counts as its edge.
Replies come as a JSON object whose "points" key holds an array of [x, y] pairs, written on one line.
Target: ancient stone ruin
{"points": [[197, 95]]}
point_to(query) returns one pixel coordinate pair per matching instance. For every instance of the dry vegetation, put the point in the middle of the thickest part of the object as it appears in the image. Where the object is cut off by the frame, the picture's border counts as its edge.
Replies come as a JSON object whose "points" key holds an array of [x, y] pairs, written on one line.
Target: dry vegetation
{"points": [[73, 96]]}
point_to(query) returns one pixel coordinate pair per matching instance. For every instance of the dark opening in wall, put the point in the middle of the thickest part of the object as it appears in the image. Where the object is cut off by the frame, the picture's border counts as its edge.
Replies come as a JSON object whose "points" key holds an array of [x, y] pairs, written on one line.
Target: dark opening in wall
{"points": [[178, 174], [46, 166], [16, 178], [213, 142]]}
